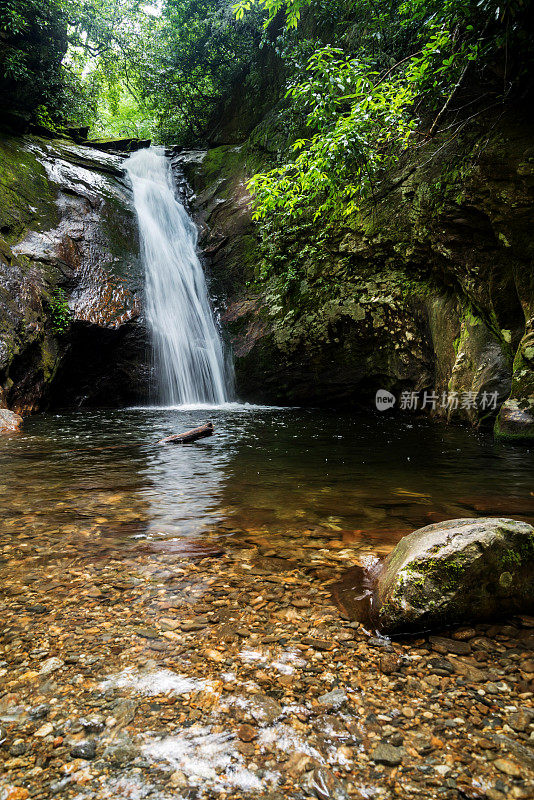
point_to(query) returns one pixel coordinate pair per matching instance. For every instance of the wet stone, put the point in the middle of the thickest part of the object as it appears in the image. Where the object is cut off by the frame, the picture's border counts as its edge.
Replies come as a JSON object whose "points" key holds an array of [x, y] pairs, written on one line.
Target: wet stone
{"points": [[120, 753], [317, 644], [325, 785], [18, 748], [334, 699], [44, 730], [51, 665], [508, 767], [440, 666], [286, 711], [521, 720], [247, 733], [388, 754], [262, 709], [443, 645], [146, 633], [389, 663], [85, 750]]}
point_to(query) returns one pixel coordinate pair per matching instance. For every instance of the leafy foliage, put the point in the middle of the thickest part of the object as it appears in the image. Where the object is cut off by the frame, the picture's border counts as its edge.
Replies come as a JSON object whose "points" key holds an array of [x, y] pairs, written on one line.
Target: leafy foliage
{"points": [[200, 56], [59, 311], [292, 8], [33, 43], [401, 69], [358, 121], [364, 77]]}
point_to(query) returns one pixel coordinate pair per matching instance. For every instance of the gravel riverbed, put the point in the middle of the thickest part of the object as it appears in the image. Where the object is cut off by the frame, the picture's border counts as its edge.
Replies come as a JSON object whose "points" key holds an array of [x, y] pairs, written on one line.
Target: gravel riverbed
{"points": [[150, 674]]}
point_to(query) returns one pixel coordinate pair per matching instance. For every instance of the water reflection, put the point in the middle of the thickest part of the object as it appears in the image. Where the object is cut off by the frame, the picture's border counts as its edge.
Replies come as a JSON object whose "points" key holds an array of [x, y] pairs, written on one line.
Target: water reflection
{"points": [[99, 479]]}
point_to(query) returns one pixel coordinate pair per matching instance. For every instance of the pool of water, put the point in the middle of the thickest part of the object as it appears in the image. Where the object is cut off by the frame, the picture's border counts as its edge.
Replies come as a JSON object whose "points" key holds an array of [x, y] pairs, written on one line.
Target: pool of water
{"points": [[98, 480]]}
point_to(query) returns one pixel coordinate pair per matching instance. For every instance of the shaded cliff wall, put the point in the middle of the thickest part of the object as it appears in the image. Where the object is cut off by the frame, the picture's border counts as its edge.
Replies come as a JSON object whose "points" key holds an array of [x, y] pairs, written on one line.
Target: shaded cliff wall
{"points": [[71, 325], [432, 290]]}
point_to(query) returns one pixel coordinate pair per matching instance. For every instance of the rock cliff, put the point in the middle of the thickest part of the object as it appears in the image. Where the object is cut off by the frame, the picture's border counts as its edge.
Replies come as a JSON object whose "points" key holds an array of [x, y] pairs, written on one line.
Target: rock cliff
{"points": [[431, 291], [71, 323]]}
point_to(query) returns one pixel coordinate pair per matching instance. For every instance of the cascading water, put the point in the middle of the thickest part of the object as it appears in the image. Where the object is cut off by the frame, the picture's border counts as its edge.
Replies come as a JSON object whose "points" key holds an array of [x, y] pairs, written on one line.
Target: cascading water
{"points": [[188, 350]]}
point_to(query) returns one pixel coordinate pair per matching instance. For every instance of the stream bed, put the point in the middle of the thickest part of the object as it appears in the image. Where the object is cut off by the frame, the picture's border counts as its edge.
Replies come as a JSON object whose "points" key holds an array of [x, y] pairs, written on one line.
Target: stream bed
{"points": [[169, 631]]}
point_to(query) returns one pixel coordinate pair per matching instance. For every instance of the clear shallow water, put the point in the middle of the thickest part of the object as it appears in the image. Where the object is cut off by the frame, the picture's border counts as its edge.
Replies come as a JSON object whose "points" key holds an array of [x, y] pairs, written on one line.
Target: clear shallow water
{"points": [[98, 480]]}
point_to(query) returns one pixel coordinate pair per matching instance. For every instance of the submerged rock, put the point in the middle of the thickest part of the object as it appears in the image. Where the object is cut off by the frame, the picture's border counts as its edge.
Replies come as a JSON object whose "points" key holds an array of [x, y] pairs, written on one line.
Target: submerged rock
{"points": [[461, 570], [9, 421]]}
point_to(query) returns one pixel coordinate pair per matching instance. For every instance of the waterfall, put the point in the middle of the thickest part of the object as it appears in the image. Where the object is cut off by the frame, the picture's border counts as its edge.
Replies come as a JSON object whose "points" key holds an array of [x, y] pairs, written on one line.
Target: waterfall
{"points": [[188, 351]]}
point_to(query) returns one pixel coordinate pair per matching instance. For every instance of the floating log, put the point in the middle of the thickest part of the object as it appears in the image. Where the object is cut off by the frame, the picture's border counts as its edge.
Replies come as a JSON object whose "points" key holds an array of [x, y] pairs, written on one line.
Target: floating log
{"points": [[190, 436]]}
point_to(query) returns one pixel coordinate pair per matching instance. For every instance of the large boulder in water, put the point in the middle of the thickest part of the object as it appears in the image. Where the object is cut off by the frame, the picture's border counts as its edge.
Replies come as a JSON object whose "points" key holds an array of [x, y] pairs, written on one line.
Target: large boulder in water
{"points": [[458, 571]]}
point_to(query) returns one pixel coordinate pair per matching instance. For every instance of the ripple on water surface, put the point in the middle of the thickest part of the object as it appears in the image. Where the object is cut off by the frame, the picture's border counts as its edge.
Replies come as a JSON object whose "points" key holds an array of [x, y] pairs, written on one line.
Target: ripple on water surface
{"points": [[98, 479]]}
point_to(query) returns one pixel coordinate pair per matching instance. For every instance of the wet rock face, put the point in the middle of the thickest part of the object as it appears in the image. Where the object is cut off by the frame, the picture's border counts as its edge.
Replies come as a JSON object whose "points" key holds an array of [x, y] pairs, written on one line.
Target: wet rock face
{"points": [[459, 571], [70, 278], [432, 289]]}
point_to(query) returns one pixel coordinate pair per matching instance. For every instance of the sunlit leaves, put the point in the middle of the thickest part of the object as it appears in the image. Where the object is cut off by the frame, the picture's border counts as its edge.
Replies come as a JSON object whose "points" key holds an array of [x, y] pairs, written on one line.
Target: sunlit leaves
{"points": [[292, 9], [358, 121]]}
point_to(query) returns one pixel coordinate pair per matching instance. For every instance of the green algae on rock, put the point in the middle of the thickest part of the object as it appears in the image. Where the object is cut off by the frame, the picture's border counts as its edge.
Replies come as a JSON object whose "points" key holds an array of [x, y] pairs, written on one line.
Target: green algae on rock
{"points": [[458, 571]]}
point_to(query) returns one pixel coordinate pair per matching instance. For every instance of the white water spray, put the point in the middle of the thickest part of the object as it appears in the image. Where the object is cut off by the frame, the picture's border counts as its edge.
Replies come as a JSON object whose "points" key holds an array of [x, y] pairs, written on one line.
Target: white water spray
{"points": [[188, 351]]}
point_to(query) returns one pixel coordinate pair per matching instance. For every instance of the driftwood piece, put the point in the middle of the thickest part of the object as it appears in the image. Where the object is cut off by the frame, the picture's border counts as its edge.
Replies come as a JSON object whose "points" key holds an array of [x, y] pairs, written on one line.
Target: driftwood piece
{"points": [[190, 436]]}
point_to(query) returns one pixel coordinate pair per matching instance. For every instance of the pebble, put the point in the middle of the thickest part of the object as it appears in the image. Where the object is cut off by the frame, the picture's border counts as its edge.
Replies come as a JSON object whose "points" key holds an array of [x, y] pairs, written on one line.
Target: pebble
{"points": [[443, 645], [44, 730], [389, 663], [333, 700], [246, 733], [39, 712], [267, 685], [178, 779], [18, 748], [120, 753], [388, 754], [264, 710], [85, 749], [317, 644], [508, 767], [51, 665]]}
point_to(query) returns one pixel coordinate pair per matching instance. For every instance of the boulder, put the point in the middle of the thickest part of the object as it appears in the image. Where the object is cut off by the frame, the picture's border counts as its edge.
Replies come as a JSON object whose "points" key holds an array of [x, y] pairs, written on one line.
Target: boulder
{"points": [[458, 571], [9, 421], [514, 422]]}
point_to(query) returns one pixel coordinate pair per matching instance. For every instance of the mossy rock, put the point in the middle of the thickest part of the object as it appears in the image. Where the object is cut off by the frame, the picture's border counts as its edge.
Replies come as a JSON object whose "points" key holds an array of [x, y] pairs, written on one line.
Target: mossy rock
{"points": [[458, 571], [27, 197], [515, 422]]}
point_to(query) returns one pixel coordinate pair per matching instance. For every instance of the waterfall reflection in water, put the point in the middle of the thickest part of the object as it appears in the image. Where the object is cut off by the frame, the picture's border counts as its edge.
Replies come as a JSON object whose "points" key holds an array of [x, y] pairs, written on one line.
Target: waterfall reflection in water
{"points": [[100, 475]]}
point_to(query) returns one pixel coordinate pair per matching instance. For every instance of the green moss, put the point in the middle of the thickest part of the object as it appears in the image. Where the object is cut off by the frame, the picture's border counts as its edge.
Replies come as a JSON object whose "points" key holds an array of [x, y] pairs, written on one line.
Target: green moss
{"points": [[27, 198], [221, 166]]}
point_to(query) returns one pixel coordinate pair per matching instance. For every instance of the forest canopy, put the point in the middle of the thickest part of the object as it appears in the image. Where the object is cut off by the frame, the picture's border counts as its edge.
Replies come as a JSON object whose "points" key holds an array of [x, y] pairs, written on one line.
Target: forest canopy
{"points": [[165, 67], [353, 82]]}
